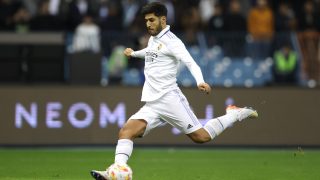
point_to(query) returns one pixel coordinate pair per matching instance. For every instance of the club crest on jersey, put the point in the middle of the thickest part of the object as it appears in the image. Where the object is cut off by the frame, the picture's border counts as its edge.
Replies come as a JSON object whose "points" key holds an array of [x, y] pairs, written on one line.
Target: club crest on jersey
{"points": [[159, 47]]}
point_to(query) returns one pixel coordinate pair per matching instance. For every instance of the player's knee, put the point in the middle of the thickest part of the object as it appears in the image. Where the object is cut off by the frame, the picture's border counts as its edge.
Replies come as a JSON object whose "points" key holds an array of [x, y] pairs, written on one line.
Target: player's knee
{"points": [[200, 139], [130, 132], [126, 133], [200, 136]]}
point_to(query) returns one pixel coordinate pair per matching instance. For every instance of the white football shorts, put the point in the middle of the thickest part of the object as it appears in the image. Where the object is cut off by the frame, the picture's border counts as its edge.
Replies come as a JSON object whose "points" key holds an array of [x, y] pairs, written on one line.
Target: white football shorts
{"points": [[172, 108]]}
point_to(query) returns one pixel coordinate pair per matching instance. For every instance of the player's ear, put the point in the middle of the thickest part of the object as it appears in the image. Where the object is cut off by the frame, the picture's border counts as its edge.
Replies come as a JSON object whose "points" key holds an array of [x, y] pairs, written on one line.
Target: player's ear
{"points": [[163, 20]]}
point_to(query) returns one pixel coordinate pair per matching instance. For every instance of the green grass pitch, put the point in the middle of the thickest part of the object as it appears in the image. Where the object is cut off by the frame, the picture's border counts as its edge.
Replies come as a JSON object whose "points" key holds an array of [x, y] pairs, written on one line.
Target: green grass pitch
{"points": [[163, 164]]}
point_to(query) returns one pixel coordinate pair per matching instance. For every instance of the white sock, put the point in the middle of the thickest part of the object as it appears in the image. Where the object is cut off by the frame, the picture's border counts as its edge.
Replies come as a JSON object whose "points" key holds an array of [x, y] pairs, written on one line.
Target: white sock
{"points": [[123, 151], [227, 120], [216, 126]]}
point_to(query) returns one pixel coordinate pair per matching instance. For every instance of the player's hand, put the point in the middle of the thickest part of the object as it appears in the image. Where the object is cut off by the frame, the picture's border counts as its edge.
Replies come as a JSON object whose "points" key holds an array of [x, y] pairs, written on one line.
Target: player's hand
{"points": [[127, 52], [204, 87]]}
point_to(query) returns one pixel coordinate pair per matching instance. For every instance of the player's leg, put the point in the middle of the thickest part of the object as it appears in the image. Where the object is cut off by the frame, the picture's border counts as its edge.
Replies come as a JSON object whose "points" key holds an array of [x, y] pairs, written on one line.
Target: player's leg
{"points": [[132, 129], [140, 124], [216, 126], [212, 128], [175, 109], [200, 136]]}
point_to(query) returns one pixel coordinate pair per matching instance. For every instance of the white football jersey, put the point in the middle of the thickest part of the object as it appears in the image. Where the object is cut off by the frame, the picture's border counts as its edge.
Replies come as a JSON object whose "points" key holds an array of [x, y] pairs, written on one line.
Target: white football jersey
{"points": [[162, 58]]}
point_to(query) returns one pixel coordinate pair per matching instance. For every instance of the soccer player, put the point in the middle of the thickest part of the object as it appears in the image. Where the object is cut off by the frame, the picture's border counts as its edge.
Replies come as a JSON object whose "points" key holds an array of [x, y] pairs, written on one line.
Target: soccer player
{"points": [[164, 101]]}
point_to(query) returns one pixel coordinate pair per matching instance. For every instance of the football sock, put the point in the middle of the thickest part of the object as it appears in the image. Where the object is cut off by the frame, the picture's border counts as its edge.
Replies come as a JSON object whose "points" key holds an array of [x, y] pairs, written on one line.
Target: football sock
{"points": [[216, 126], [123, 151]]}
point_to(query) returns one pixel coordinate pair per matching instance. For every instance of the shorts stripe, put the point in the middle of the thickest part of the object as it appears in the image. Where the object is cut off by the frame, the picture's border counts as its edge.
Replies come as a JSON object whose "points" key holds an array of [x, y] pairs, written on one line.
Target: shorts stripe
{"points": [[187, 108]]}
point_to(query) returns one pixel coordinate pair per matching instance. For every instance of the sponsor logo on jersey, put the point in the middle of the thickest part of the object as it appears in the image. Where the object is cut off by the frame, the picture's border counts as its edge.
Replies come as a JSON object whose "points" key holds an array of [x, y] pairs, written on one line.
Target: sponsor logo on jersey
{"points": [[151, 56]]}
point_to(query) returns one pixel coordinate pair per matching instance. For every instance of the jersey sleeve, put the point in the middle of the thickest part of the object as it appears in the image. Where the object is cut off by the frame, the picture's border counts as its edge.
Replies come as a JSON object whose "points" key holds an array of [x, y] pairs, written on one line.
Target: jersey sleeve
{"points": [[180, 52], [139, 54]]}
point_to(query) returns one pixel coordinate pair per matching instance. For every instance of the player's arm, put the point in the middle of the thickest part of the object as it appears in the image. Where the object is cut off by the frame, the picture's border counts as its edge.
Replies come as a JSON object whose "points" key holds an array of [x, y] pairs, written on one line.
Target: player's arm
{"points": [[131, 53], [180, 52]]}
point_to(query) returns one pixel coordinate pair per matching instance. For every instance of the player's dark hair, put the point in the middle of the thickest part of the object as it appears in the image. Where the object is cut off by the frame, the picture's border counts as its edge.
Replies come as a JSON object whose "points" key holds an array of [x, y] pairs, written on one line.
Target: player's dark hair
{"points": [[155, 7]]}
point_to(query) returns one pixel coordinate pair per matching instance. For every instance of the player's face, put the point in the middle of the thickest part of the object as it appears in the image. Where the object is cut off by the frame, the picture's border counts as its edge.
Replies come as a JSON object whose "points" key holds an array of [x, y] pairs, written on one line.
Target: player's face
{"points": [[153, 24]]}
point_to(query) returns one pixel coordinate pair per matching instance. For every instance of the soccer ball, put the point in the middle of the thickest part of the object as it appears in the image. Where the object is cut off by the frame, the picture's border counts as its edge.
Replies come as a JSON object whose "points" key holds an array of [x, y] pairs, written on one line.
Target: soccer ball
{"points": [[119, 172]]}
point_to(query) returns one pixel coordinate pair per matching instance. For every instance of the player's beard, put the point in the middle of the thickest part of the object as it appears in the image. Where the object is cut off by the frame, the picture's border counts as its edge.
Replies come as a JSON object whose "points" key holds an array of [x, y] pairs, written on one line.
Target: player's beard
{"points": [[156, 31]]}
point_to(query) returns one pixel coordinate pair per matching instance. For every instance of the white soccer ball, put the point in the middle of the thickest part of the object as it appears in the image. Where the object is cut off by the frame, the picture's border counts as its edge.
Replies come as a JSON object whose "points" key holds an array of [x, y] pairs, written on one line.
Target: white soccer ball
{"points": [[119, 172]]}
